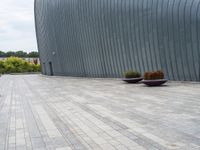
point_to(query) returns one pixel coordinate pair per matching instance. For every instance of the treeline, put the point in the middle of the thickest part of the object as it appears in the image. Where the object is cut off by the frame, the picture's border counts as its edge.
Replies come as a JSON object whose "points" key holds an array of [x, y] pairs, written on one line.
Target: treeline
{"points": [[20, 54]]}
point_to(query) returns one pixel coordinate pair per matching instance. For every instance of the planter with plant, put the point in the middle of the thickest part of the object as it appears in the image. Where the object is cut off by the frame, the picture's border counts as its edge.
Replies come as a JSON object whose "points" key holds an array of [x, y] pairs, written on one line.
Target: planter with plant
{"points": [[132, 76], [155, 78]]}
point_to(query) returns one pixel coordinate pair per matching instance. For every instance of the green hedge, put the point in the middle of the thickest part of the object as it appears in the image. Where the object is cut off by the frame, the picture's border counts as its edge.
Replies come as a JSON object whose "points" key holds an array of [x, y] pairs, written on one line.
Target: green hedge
{"points": [[17, 65]]}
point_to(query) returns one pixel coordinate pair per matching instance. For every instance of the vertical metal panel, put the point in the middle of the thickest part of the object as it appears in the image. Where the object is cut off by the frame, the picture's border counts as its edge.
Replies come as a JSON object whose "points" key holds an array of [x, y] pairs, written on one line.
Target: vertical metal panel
{"points": [[197, 21], [104, 38]]}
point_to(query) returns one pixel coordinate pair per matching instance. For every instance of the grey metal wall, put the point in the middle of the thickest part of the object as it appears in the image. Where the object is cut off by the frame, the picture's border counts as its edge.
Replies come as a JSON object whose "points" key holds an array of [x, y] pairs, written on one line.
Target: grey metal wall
{"points": [[103, 38]]}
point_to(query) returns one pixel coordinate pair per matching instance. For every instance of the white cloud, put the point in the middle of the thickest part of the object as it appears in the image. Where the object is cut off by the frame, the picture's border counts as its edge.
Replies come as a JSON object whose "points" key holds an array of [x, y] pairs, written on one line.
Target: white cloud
{"points": [[17, 28]]}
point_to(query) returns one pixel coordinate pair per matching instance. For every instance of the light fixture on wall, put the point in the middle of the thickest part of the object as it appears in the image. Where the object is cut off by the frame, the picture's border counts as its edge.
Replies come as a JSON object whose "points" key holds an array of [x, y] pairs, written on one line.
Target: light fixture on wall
{"points": [[53, 53]]}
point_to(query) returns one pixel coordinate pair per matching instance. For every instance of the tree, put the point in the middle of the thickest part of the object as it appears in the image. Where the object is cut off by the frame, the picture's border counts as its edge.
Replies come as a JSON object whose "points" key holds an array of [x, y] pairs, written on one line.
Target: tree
{"points": [[33, 54], [20, 54], [9, 54], [2, 54]]}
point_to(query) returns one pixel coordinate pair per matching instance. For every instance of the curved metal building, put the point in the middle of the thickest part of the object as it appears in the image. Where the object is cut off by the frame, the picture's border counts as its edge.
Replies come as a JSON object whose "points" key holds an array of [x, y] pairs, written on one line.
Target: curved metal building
{"points": [[104, 38]]}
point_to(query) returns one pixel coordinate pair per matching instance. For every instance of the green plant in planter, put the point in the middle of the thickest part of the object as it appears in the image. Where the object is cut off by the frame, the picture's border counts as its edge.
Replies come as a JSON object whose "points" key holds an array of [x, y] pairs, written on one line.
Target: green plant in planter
{"points": [[154, 75], [132, 74]]}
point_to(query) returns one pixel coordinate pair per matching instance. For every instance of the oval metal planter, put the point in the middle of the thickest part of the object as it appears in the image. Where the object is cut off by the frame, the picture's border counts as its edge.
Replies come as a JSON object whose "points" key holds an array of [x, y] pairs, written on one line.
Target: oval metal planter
{"points": [[132, 80], [155, 82]]}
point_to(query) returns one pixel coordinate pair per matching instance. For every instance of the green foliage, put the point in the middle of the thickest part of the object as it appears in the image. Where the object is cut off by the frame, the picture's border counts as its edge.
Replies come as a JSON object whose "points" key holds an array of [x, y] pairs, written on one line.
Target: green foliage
{"points": [[20, 54], [132, 74], [154, 75], [9, 54], [2, 67], [2, 54], [33, 55], [17, 65]]}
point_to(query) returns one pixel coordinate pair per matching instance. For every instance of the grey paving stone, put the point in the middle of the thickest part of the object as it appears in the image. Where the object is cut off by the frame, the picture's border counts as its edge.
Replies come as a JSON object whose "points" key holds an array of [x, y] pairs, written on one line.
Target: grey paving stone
{"points": [[47, 113]]}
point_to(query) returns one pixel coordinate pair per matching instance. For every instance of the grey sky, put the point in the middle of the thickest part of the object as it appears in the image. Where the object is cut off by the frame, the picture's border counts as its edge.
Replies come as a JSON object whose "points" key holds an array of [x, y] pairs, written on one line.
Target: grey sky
{"points": [[17, 29]]}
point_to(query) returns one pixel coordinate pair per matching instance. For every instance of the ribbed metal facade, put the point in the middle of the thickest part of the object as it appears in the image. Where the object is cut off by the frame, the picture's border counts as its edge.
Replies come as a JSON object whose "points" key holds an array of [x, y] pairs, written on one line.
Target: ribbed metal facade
{"points": [[104, 38]]}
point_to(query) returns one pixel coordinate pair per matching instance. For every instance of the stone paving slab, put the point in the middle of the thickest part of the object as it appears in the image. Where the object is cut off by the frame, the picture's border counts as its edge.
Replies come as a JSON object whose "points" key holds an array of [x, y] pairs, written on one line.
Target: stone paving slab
{"points": [[64, 113]]}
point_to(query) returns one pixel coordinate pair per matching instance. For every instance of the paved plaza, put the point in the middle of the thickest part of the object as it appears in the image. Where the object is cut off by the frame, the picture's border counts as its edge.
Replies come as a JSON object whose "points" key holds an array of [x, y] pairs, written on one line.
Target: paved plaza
{"points": [[63, 113]]}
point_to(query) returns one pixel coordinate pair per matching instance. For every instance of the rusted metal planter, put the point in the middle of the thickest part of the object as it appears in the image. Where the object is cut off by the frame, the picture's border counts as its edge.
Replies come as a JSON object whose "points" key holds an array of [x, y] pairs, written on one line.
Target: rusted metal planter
{"points": [[154, 82]]}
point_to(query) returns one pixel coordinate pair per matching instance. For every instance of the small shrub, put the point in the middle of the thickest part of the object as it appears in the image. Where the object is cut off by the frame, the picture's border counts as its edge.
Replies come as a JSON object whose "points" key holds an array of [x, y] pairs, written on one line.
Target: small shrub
{"points": [[17, 65], [36, 68], [2, 67], [132, 74], [154, 75]]}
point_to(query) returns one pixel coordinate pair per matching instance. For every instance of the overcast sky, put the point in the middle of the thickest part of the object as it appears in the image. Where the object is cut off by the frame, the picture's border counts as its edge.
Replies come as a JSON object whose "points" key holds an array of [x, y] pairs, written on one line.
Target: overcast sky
{"points": [[17, 29]]}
